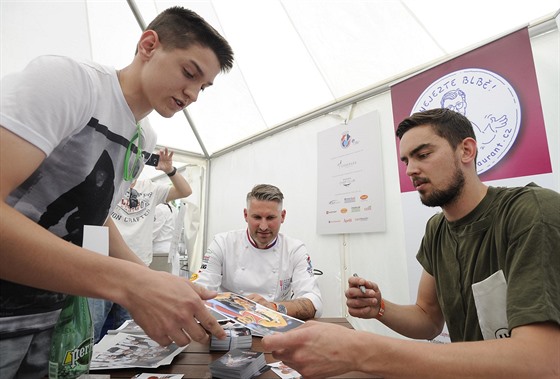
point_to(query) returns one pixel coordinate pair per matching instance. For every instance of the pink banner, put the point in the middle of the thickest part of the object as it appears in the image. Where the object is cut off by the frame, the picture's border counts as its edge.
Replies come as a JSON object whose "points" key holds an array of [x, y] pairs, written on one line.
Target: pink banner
{"points": [[495, 87]]}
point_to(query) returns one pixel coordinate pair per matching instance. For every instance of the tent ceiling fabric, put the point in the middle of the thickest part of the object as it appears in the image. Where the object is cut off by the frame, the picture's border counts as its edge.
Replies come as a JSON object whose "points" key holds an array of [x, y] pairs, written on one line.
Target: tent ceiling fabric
{"points": [[292, 56]]}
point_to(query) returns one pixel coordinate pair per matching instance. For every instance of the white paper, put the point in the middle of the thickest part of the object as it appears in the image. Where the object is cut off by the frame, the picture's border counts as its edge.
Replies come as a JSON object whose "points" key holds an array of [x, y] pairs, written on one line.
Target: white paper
{"points": [[96, 238]]}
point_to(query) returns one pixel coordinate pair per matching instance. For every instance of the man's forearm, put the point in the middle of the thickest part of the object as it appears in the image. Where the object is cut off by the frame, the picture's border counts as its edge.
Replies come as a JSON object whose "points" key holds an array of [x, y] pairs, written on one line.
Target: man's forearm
{"points": [[302, 309], [31, 255], [117, 245], [532, 353], [181, 188], [410, 321]]}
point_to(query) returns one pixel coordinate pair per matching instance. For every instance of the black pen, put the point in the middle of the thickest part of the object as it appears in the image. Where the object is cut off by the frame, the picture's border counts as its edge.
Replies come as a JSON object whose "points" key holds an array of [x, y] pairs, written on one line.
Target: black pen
{"points": [[362, 288]]}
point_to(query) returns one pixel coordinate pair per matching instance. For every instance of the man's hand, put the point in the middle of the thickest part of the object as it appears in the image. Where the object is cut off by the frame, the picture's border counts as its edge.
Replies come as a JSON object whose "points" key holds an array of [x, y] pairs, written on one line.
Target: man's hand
{"points": [[315, 349], [261, 300], [360, 304], [302, 308], [165, 163], [171, 309]]}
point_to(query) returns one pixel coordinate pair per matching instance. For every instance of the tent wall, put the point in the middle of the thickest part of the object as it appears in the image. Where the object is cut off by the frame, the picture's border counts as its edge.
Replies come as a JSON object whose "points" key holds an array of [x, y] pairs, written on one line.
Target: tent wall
{"points": [[289, 160]]}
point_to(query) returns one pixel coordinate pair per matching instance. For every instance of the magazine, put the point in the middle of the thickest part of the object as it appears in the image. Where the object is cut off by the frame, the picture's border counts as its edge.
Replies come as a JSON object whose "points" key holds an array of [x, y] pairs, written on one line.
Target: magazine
{"points": [[124, 350], [256, 317]]}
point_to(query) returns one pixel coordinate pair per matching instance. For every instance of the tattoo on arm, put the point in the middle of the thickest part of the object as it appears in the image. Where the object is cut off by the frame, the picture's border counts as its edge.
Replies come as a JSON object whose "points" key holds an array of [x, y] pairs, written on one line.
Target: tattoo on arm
{"points": [[302, 309]]}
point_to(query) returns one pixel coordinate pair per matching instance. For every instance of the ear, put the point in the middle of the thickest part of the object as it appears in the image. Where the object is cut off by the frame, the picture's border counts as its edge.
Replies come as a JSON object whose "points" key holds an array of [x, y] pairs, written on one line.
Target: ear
{"points": [[245, 214], [469, 150], [149, 41], [283, 215]]}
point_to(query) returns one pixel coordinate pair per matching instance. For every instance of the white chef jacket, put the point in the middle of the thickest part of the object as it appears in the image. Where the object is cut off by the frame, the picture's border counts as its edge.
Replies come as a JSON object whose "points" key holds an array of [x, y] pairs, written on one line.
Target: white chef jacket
{"points": [[281, 272]]}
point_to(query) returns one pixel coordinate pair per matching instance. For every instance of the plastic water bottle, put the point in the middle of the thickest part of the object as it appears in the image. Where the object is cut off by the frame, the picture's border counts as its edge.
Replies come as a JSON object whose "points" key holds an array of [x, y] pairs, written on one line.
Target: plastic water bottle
{"points": [[72, 340]]}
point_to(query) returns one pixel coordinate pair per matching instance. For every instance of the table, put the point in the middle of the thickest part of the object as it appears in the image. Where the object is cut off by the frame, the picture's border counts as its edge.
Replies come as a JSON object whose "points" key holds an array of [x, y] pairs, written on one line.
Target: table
{"points": [[193, 361]]}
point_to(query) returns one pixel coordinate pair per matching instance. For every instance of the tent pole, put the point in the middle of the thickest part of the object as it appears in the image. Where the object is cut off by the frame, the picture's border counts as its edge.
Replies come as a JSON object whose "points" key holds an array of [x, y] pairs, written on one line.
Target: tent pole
{"points": [[206, 205], [195, 132], [137, 14]]}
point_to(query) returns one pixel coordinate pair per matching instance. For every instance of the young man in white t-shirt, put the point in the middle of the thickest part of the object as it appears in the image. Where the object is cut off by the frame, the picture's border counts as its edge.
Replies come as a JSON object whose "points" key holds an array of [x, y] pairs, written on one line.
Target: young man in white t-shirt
{"points": [[70, 143]]}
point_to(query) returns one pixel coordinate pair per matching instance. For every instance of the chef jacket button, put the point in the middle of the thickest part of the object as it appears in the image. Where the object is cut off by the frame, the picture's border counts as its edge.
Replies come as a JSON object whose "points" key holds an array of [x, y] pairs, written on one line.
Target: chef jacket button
{"points": [[243, 268]]}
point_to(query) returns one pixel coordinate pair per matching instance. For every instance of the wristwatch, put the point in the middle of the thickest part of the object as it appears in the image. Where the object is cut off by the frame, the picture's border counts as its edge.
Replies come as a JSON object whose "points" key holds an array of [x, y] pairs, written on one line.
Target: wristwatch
{"points": [[281, 308]]}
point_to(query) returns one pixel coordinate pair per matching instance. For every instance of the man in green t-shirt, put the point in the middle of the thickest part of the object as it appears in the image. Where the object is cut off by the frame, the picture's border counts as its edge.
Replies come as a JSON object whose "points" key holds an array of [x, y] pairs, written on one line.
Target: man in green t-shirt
{"points": [[491, 273]]}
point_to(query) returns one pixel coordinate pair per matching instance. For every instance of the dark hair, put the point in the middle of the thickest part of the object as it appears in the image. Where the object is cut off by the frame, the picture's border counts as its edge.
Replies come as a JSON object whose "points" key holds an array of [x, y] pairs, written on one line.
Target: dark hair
{"points": [[266, 192], [448, 124], [179, 28]]}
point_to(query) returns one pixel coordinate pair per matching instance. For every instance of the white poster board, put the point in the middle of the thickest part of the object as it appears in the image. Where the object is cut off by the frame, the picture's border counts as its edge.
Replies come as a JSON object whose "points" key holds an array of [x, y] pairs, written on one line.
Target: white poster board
{"points": [[350, 189]]}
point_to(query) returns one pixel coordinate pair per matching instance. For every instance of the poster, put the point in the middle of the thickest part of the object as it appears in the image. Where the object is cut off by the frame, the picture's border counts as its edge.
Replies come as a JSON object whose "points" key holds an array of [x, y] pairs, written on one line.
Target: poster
{"points": [[350, 193], [495, 87]]}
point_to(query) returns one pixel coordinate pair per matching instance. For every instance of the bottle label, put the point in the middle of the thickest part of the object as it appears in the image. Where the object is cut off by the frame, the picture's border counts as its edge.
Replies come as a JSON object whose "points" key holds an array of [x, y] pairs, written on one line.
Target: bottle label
{"points": [[80, 355]]}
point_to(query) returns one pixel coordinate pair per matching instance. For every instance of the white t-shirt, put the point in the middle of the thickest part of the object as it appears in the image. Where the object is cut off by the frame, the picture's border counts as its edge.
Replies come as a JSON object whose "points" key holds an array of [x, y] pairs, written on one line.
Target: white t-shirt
{"points": [[164, 227], [282, 272], [134, 216], [77, 115]]}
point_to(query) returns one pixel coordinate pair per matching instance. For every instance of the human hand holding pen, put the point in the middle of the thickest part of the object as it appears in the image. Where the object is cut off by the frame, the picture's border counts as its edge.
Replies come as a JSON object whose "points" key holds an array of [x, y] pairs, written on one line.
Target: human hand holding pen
{"points": [[363, 302], [362, 287]]}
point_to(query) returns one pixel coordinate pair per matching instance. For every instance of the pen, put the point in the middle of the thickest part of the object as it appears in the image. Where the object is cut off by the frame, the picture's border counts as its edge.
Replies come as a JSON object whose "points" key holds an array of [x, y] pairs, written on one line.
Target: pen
{"points": [[362, 288]]}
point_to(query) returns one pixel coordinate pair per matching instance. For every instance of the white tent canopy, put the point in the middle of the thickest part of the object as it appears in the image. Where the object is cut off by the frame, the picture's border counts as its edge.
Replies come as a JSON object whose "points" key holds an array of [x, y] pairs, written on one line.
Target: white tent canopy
{"points": [[292, 57]]}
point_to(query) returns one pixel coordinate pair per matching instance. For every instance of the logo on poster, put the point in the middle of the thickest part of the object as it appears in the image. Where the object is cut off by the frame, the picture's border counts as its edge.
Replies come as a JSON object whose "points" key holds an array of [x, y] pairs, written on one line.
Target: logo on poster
{"points": [[487, 100], [345, 140]]}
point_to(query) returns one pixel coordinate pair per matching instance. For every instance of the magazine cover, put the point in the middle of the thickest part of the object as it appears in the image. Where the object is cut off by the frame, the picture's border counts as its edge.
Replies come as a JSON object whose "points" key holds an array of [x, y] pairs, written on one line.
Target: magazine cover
{"points": [[128, 350], [260, 319]]}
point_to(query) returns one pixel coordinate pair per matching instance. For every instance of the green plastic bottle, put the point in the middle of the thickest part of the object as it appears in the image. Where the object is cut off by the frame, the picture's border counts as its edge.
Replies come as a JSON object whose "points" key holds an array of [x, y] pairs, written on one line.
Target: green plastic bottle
{"points": [[72, 340]]}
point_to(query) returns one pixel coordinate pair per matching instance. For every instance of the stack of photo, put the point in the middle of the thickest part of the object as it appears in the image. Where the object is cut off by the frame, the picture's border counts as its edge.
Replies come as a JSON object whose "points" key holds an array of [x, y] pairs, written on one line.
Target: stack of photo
{"points": [[239, 364], [237, 337]]}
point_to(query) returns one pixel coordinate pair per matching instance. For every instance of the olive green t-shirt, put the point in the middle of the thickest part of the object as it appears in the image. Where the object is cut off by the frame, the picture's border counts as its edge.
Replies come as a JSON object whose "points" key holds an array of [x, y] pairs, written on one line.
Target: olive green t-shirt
{"points": [[516, 230]]}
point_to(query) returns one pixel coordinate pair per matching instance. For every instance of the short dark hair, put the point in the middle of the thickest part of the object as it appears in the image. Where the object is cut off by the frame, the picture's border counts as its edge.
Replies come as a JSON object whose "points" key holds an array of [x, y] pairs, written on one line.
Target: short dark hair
{"points": [[448, 124], [266, 192], [179, 28]]}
